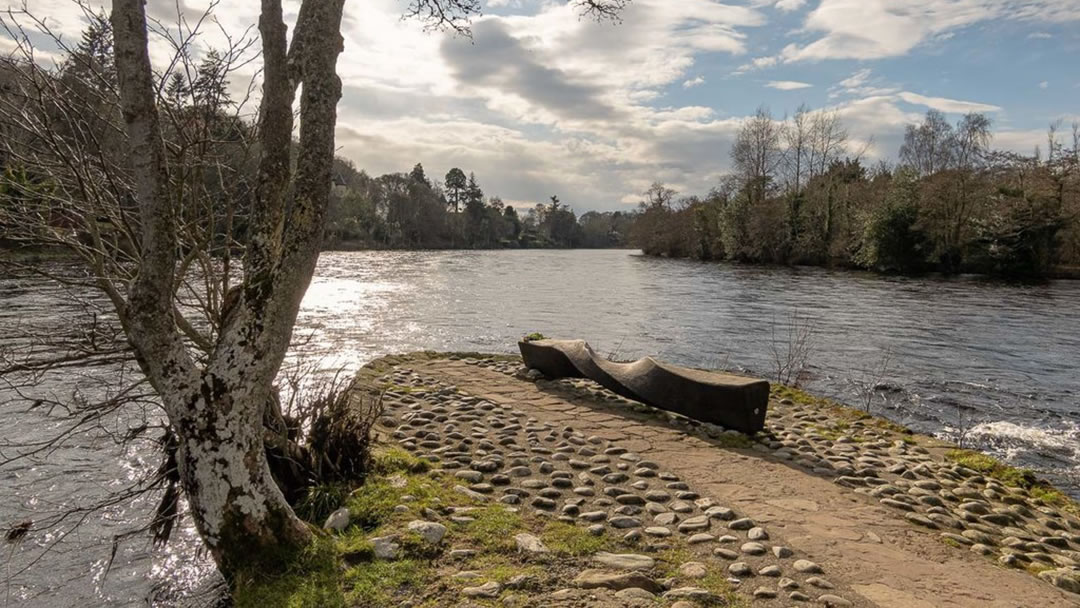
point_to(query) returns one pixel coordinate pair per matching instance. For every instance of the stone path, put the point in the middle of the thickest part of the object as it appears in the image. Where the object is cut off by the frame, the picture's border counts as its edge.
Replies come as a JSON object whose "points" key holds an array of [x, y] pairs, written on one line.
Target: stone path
{"points": [[863, 506]]}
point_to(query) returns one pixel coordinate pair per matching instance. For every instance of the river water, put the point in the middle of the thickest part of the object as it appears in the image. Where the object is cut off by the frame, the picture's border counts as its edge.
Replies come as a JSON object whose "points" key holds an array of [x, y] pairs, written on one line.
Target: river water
{"points": [[993, 363]]}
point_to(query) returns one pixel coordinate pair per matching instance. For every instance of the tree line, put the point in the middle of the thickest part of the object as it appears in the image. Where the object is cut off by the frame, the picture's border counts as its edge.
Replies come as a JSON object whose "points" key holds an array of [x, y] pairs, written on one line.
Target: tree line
{"points": [[412, 211], [952, 203]]}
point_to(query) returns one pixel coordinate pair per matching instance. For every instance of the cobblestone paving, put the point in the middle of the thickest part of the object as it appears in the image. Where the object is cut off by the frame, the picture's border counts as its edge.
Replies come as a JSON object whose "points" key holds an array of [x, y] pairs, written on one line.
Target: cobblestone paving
{"points": [[499, 454], [965, 508]]}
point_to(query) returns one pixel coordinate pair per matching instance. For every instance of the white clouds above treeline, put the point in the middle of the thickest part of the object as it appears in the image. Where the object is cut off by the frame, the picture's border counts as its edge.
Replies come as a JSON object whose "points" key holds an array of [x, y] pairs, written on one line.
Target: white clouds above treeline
{"points": [[541, 101]]}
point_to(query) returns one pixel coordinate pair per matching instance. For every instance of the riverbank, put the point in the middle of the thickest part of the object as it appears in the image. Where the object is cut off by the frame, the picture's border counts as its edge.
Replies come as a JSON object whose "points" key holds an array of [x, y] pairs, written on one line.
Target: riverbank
{"points": [[492, 488]]}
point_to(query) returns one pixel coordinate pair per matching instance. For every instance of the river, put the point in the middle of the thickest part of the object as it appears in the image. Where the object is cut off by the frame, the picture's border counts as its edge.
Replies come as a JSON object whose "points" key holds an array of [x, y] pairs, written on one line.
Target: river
{"points": [[993, 362]]}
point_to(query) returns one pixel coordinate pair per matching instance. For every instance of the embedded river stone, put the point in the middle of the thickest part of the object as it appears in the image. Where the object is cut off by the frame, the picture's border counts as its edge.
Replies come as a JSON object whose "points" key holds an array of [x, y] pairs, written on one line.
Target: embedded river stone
{"points": [[734, 402]]}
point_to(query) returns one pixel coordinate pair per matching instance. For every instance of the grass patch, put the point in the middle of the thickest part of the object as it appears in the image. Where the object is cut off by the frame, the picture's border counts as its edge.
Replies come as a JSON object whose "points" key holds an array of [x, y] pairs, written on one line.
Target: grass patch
{"points": [[953, 543], [375, 584], [715, 580], [841, 412], [731, 440], [1014, 477], [397, 460], [320, 501], [781, 391], [992, 467], [1035, 568], [493, 529], [568, 539], [372, 504], [310, 581]]}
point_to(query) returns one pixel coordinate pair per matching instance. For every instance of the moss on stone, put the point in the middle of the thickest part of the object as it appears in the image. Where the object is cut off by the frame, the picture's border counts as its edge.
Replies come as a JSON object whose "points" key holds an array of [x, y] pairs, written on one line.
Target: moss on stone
{"points": [[1024, 479]]}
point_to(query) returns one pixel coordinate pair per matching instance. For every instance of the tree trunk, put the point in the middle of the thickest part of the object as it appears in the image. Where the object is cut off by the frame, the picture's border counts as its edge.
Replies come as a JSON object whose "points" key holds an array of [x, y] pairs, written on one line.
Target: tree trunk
{"points": [[217, 408], [237, 507]]}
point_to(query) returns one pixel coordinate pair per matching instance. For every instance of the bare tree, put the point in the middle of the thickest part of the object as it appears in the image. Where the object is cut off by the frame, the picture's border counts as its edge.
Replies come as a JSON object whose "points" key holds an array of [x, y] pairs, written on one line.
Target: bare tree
{"points": [[828, 142], [927, 147], [125, 209], [757, 153], [797, 139], [792, 349], [869, 385]]}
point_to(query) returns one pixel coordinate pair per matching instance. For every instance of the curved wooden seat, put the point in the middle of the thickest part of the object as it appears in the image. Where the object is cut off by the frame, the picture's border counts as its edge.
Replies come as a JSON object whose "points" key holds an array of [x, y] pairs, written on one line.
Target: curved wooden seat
{"points": [[730, 401]]}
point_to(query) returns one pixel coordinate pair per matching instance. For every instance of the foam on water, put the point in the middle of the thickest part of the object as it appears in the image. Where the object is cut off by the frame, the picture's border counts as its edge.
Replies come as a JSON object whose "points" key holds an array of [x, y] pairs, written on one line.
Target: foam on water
{"points": [[1023, 445]]}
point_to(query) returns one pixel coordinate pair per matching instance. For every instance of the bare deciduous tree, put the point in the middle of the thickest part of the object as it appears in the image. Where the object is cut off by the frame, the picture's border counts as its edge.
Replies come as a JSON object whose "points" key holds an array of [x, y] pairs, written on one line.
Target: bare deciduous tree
{"points": [[134, 212], [757, 154], [791, 350]]}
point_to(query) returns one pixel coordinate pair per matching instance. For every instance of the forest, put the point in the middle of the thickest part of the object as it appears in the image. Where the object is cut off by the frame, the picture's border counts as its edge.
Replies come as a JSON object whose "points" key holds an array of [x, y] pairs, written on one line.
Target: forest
{"points": [[412, 211], [950, 204]]}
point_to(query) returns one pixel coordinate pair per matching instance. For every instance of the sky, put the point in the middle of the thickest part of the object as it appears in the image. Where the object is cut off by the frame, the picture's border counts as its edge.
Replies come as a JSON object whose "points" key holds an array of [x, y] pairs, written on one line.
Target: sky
{"points": [[541, 101]]}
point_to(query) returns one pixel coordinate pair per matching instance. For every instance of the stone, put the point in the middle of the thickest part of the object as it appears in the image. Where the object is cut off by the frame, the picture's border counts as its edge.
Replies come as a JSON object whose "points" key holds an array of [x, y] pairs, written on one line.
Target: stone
{"points": [[623, 522], [764, 593], [740, 569], [431, 532], [487, 590], [819, 582], [386, 547], [722, 513], [666, 519], [696, 594], [833, 601], [1063, 578], [469, 476], [806, 566], [659, 531], [521, 581], [781, 552], [527, 543], [753, 548], [693, 570], [770, 571], [741, 524], [694, 524], [624, 561], [635, 593], [757, 533], [595, 579], [700, 537], [338, 520]]}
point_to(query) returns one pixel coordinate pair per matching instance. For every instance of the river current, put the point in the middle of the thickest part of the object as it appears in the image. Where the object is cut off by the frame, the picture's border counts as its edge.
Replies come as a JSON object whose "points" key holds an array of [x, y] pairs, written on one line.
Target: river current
{"points": [[991, 363]]}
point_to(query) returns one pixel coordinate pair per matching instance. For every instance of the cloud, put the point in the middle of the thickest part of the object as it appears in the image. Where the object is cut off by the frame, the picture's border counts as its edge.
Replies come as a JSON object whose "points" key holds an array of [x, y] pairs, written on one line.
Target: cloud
{"points": [[693, 82], [1040, 35], [875, 29], [787, 85], [495, 60], [758, 63], [789, 5], [947, 105], [861, 83], [1044, 84]]}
